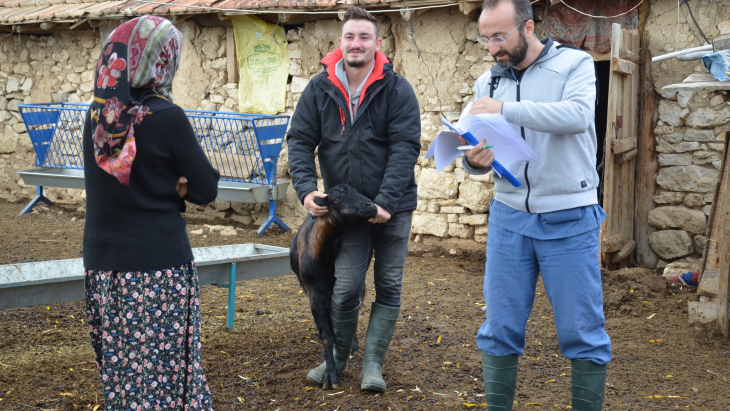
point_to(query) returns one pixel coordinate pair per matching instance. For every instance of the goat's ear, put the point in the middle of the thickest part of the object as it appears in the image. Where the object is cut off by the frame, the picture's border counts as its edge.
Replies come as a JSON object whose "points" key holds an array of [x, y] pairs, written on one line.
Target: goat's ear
{"points": [[321, 201]]}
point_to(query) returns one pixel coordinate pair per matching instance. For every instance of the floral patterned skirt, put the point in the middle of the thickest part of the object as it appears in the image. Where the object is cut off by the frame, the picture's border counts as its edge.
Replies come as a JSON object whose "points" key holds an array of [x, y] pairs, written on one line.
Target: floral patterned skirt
{"points": [[145, 329]]}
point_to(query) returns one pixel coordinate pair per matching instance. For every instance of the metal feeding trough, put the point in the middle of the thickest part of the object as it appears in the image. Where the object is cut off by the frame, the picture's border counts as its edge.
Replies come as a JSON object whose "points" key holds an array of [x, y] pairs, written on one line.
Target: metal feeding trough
{"points": [[243, 147], [56, 281]]}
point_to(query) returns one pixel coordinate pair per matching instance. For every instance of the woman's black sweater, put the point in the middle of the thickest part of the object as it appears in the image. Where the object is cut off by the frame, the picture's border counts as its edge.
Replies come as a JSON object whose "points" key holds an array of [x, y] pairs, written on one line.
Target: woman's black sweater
{"points": [[139, 227]]}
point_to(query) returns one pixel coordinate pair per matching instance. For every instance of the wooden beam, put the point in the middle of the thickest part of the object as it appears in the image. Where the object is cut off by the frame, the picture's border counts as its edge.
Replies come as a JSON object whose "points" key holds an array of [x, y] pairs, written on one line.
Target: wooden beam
{"points": [[21, 28], [622, 66], [720, 44], [599, 56], [286, 18], [723, 291], [467, 8], [629, 55], [612, 244], [624, 252], [711, 255], [621, 158], [702, 311], [710, 283], [698, 78], [179, 18], [213, 20], [78, 23], [647, 164], [409, 15], [231, 57], [699, 86], [623, 145]]}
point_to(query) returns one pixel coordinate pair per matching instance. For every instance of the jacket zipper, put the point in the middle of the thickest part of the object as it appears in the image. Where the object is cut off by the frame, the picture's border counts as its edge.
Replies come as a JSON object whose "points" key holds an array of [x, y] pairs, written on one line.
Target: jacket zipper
{"points": [[522, 132], [342, 120]]}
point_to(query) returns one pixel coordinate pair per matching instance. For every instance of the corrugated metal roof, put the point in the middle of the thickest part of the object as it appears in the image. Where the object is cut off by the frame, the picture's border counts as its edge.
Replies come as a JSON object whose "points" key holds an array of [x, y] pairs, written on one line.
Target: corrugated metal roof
{"points": [[30, 11]]}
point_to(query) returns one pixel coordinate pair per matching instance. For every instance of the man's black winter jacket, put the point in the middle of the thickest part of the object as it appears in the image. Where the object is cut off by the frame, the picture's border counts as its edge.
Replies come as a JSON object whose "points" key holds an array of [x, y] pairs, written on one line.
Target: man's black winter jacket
{"points": [[376, 154]]}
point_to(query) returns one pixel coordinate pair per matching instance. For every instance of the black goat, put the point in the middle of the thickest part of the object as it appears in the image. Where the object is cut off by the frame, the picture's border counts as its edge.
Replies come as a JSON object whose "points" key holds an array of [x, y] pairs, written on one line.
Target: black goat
{"points": [[312, 258]]}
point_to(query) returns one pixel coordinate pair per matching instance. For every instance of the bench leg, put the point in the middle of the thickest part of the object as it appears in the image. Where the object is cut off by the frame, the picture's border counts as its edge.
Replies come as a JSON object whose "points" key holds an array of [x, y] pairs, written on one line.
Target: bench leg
{"points": [[231, 295], [272, 219], [231, 286], [38, 198]]}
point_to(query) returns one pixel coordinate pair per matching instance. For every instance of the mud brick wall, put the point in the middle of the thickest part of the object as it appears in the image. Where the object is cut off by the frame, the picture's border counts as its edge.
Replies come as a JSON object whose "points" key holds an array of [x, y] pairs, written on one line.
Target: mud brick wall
{"points": [[453, 206]]}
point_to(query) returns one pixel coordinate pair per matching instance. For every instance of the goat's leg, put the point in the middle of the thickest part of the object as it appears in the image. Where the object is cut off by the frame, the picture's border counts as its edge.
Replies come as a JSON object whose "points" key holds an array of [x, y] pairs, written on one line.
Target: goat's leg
{"points": [[321, 314], [331, 376]]}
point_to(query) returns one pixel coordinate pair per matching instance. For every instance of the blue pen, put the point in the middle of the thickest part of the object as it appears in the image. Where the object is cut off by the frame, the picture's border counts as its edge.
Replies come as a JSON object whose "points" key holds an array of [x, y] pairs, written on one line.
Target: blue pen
{"points": [[495, 164]]}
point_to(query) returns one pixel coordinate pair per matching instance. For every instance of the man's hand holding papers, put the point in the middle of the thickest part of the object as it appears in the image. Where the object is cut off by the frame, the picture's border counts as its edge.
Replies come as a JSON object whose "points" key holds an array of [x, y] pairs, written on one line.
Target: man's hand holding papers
{"points": [[479, 156], [508, 147]]}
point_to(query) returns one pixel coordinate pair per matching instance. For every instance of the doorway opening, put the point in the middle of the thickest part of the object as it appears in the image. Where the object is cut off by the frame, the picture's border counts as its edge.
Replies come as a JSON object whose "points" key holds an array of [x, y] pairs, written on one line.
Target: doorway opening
{"points": [[603, 76]]}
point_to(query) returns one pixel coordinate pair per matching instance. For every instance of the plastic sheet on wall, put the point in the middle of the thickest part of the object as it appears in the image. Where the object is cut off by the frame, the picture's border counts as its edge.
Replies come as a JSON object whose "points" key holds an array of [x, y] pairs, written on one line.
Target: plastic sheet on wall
{"points": [[719, 64], [263, 65]]}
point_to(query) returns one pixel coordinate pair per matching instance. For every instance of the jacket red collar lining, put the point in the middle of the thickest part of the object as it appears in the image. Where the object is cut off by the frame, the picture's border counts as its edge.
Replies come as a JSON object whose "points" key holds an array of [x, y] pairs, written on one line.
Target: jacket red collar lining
{"points": [[335, 56]]}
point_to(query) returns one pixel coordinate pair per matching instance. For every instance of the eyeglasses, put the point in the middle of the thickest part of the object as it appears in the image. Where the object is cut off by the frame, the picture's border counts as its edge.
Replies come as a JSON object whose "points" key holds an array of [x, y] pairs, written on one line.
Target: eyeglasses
{"points": [[482, 39]]}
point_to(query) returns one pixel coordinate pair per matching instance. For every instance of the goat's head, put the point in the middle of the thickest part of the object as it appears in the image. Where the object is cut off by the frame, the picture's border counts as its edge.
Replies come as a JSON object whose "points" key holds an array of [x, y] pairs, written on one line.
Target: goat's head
{"points": [[346, 204]]}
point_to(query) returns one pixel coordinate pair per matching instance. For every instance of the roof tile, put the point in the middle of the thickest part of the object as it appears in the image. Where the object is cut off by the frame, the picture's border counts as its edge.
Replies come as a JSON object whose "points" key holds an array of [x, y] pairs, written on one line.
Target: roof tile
{"points": [[5, 17], [180, 6], [12, 11], [150, 8], [131, 8], [226, 4], [70, 10], [96, 10], [114, 7], [18, 17], [47, 13]]}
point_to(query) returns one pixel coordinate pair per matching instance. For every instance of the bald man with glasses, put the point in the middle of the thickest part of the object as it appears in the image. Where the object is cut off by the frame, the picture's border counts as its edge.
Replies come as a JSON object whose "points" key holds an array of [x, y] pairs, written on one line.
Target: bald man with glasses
{"points": [[549, 225]]}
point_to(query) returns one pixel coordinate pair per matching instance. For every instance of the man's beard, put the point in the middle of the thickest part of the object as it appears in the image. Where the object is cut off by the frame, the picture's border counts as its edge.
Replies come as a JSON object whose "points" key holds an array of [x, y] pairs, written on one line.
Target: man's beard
{"points": [[518, 55], [357, 63]]}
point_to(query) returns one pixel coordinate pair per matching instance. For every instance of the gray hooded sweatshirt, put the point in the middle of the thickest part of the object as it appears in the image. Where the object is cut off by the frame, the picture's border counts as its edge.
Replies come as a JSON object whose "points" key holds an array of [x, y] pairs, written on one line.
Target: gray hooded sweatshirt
{"points": [[552, 107]]}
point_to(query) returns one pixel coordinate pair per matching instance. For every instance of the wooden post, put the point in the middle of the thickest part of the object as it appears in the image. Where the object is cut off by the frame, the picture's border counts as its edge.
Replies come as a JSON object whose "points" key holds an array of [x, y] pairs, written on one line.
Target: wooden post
{"points": [[723, 292], [231, 57], [647, 164]]}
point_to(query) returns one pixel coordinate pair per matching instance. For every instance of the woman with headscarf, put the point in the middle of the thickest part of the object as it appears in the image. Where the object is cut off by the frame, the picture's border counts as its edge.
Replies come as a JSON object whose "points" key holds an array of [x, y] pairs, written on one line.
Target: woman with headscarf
{"points": [[142, 160]]}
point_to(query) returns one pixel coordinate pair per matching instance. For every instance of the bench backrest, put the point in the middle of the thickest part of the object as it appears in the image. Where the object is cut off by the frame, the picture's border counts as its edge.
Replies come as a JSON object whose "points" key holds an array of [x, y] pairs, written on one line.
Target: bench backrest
{"points": [[55, 130], [243, 147]]}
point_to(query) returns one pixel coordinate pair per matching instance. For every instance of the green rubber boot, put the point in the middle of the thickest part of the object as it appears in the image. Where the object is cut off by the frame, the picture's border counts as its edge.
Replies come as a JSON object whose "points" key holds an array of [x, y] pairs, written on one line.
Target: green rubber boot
{"points": [[588, 384], [380, 331], [344, 328], [500, 380]]}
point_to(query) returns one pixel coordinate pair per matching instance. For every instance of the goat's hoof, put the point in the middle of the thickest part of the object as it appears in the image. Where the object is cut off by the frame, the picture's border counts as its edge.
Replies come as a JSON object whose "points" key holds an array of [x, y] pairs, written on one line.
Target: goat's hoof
{"points": [[330, 381]]}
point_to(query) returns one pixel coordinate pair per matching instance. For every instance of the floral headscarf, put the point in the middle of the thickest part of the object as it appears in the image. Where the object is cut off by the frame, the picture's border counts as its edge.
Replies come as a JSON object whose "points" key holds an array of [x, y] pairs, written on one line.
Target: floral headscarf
{"points": [[133, 79]]}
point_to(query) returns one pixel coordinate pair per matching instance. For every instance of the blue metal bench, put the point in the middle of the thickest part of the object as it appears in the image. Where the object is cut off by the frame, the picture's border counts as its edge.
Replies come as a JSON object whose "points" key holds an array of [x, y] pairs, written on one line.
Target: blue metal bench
{"points": [[243, 147], [49, 282]]}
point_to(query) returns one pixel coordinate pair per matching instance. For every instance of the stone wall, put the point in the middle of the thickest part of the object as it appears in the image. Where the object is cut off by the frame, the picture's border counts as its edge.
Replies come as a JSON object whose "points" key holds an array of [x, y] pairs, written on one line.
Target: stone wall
{"points": [[39, 69], [690, 142], [453, 206], [58, 67], [690, 132]]}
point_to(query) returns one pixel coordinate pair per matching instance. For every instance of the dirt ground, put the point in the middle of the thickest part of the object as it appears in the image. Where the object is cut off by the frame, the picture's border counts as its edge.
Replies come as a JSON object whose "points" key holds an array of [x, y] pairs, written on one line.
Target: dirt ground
{"points": [[660, 360]]}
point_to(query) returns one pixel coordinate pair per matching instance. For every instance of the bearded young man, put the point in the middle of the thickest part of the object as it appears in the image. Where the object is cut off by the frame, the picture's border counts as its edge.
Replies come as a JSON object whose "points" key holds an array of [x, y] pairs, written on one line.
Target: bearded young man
{"points": [[550, 225], [364, 121]]}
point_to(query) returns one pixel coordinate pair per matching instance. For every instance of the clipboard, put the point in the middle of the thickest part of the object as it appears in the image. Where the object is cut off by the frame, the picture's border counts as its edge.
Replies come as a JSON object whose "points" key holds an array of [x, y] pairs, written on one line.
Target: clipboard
{"points": [[496, 166]]}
